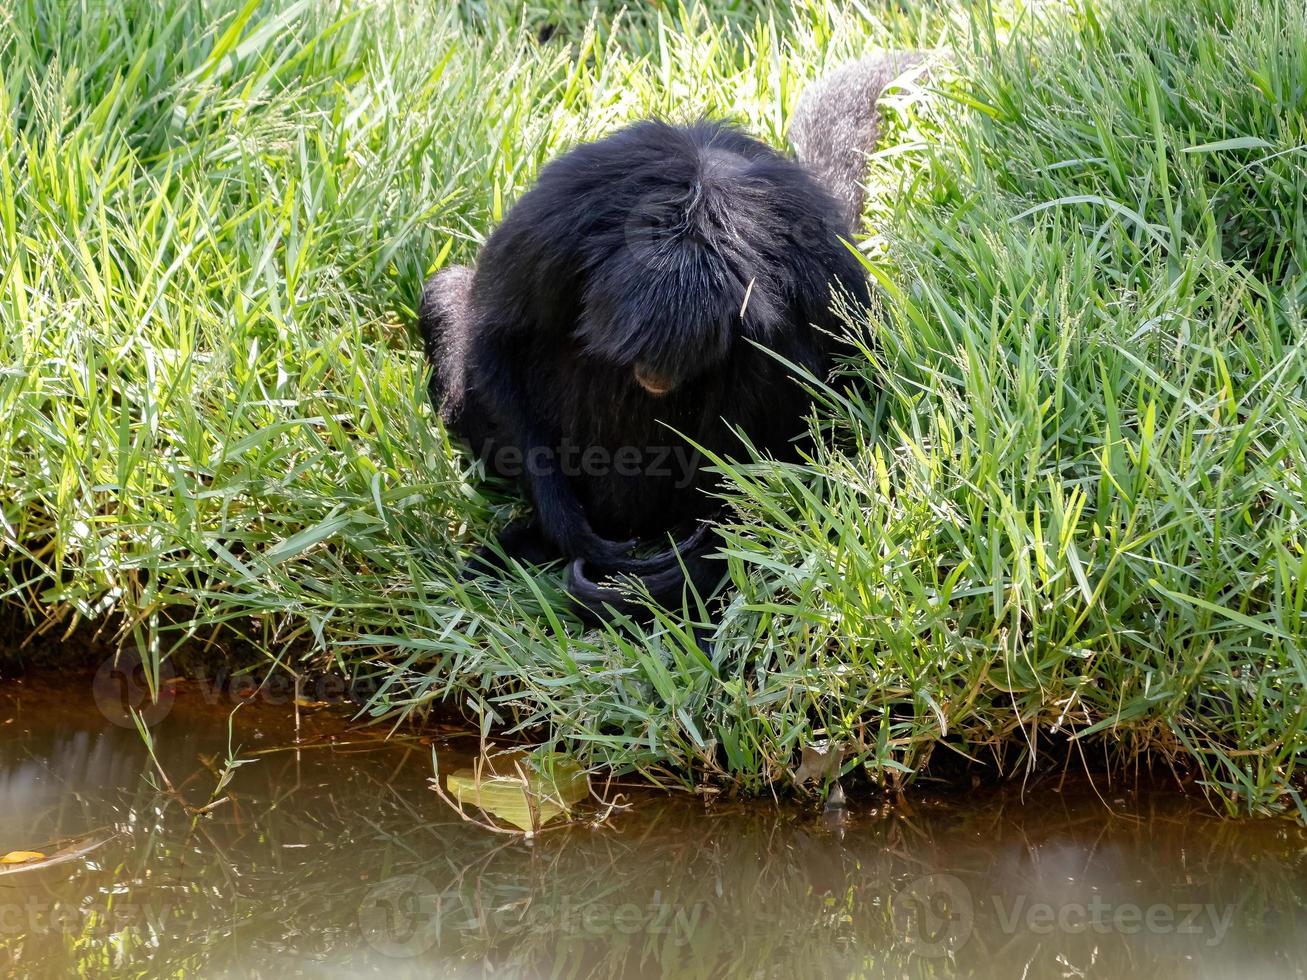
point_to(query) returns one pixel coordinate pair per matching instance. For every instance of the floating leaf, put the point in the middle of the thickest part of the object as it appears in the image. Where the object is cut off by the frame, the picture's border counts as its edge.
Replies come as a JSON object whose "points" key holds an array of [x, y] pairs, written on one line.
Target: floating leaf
{"points": [[16, 862], [21, 857], [520, 790], [821, 761]]}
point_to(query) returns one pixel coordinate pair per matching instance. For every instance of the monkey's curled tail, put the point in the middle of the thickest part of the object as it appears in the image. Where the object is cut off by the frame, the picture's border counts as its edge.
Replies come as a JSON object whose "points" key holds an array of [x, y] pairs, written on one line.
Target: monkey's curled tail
{"points": [[837, 121]]}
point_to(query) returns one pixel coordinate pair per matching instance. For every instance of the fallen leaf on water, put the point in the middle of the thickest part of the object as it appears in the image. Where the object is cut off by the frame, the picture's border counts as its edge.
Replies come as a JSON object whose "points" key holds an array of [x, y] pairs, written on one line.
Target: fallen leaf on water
{"points": [[16, 862], [20, 857], [525, 792], [821, 761]]}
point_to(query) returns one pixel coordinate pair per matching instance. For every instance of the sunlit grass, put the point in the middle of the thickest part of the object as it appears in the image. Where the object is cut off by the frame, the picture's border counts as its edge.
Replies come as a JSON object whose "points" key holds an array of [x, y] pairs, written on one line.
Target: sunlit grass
{"points": [[1068, 503]]}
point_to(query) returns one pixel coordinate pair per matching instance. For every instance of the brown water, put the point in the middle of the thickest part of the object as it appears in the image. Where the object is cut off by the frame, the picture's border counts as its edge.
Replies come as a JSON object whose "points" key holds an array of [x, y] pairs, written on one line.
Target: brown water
{"points": [[333, 858]]}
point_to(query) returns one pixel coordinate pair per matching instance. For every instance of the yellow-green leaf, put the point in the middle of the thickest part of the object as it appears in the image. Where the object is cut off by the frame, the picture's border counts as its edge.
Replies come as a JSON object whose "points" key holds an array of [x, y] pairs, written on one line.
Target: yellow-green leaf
{"points": [[521, 791], [21, 857]]}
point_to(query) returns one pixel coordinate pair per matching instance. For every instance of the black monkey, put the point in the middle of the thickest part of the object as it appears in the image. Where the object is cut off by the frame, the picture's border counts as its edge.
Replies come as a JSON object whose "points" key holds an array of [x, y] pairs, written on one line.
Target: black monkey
{"points": [[635, 303]]}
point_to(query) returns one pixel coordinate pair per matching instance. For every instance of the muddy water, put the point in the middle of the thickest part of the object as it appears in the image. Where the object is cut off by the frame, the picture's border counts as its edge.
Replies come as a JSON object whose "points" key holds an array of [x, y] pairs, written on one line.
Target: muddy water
{"points": [[331, 857]]}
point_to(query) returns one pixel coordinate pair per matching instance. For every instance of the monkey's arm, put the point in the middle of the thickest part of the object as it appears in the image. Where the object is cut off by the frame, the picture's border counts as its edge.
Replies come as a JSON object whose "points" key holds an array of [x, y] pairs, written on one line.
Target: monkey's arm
{"points": [[490, 412], [498, 355]]}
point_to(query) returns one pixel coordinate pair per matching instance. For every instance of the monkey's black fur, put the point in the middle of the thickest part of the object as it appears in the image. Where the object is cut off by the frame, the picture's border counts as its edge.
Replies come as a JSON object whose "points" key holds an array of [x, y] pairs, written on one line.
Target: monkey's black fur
{"points": [[620, 309]]}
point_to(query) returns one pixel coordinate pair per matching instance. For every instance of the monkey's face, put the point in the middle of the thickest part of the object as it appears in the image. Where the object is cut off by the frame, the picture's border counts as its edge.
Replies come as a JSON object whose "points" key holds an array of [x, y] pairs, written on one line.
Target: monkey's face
{"points": [[655, 382], [673, 360], [660, 355], [677, 280]]}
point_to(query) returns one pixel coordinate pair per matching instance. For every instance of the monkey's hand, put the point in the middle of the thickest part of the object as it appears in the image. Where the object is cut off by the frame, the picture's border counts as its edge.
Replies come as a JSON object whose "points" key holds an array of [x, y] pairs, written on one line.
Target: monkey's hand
{"points": [[520, 541], [662, 578], [582, 542], [564, 523]]}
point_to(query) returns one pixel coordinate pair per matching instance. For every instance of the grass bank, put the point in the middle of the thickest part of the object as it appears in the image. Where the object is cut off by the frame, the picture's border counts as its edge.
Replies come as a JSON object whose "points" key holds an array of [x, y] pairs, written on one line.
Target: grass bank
{"points": [[1067, 503]]}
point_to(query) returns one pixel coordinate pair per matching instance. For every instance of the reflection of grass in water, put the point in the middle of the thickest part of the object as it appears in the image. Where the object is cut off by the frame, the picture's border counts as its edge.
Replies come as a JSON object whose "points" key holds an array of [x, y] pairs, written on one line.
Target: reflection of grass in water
{"points": [[1084, 514], [670, 889]]}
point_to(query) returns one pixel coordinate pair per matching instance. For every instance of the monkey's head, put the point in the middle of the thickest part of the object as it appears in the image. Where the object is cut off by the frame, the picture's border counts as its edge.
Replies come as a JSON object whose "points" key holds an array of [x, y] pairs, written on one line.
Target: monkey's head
{"points": [[683, 264]]}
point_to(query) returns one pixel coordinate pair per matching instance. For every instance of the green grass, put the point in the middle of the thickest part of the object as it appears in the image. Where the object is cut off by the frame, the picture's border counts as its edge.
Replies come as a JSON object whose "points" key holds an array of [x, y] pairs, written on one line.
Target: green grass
{"points": [[1067, 504]]}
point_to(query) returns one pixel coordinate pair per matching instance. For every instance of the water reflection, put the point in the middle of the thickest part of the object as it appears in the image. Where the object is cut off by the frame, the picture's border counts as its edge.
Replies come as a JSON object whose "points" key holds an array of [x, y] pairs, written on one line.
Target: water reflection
{"points": [[337, 860]]}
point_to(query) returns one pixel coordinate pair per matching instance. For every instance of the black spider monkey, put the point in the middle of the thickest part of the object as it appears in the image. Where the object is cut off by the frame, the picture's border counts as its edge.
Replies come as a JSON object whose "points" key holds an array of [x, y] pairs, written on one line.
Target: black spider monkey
{"points": [[639, 303]]}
